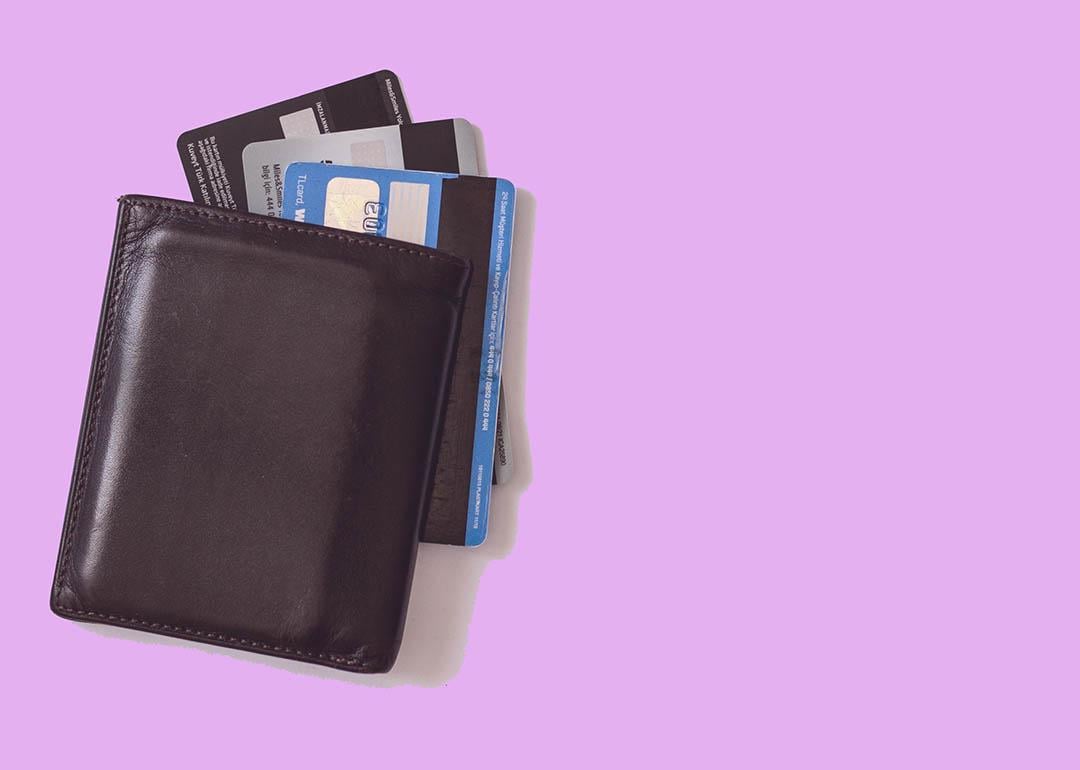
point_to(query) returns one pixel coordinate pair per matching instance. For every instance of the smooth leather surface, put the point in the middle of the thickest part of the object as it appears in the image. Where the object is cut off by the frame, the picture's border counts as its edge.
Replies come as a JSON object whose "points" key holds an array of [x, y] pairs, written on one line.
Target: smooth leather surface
{"points": [[260, 432]]}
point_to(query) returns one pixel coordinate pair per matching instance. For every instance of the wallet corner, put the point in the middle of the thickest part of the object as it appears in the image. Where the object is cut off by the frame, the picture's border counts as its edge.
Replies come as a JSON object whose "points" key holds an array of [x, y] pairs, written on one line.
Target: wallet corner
{"points": [[377, 658], [62, 600]]}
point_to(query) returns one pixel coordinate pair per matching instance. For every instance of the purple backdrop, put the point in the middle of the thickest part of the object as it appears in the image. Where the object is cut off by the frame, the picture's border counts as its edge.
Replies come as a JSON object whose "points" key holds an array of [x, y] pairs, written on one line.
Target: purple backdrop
{"points": [[792, 364]]}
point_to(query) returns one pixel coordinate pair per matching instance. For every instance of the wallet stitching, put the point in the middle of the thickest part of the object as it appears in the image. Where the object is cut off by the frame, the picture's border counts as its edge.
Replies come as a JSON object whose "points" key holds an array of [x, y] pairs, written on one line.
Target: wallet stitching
{"points": [[350, 660], [103, 358], [321, 233], [99, 389]]}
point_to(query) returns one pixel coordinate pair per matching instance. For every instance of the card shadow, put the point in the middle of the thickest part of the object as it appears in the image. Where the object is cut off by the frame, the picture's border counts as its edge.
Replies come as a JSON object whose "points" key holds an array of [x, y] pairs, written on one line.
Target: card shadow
{"points": [[446, 578]]}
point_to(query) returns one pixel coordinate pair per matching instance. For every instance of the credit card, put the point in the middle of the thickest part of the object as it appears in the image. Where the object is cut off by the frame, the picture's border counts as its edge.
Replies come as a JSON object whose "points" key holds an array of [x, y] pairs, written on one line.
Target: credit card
{"points": [[213, 155], [472, 217], [440, 145]]}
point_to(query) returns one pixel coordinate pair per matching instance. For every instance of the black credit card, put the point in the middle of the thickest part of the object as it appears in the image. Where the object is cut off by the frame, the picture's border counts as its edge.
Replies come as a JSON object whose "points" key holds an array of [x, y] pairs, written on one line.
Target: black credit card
{"points": [[213, 154]]}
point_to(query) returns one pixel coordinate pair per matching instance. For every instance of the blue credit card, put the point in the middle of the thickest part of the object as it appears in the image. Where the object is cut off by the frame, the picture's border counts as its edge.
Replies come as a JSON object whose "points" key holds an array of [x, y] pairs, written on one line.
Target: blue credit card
{"points": [[472, 217]]}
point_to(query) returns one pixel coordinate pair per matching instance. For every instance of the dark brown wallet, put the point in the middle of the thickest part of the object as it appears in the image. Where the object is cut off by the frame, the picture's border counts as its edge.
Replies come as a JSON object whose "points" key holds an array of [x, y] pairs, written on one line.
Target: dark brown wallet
{"points": [[259, 438]]}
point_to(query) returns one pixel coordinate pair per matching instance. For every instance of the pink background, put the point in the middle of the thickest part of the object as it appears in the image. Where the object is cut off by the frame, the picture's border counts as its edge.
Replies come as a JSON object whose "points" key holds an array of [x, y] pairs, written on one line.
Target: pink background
{"points": [[793, 365]]}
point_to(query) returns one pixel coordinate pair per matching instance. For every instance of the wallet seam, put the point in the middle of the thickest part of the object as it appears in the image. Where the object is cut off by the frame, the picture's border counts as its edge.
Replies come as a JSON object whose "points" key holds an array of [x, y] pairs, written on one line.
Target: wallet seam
{"points": [[349, 660], [270, 224], [101, 363]]}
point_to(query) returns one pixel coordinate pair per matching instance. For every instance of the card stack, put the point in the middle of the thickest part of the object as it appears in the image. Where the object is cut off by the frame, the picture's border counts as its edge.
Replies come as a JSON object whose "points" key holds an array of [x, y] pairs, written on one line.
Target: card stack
{"points": [[349, 157]]}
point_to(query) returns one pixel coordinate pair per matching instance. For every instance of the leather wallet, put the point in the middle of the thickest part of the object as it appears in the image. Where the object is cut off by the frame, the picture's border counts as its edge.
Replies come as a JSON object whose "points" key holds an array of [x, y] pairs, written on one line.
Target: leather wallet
{"points": [[260, 433]]}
